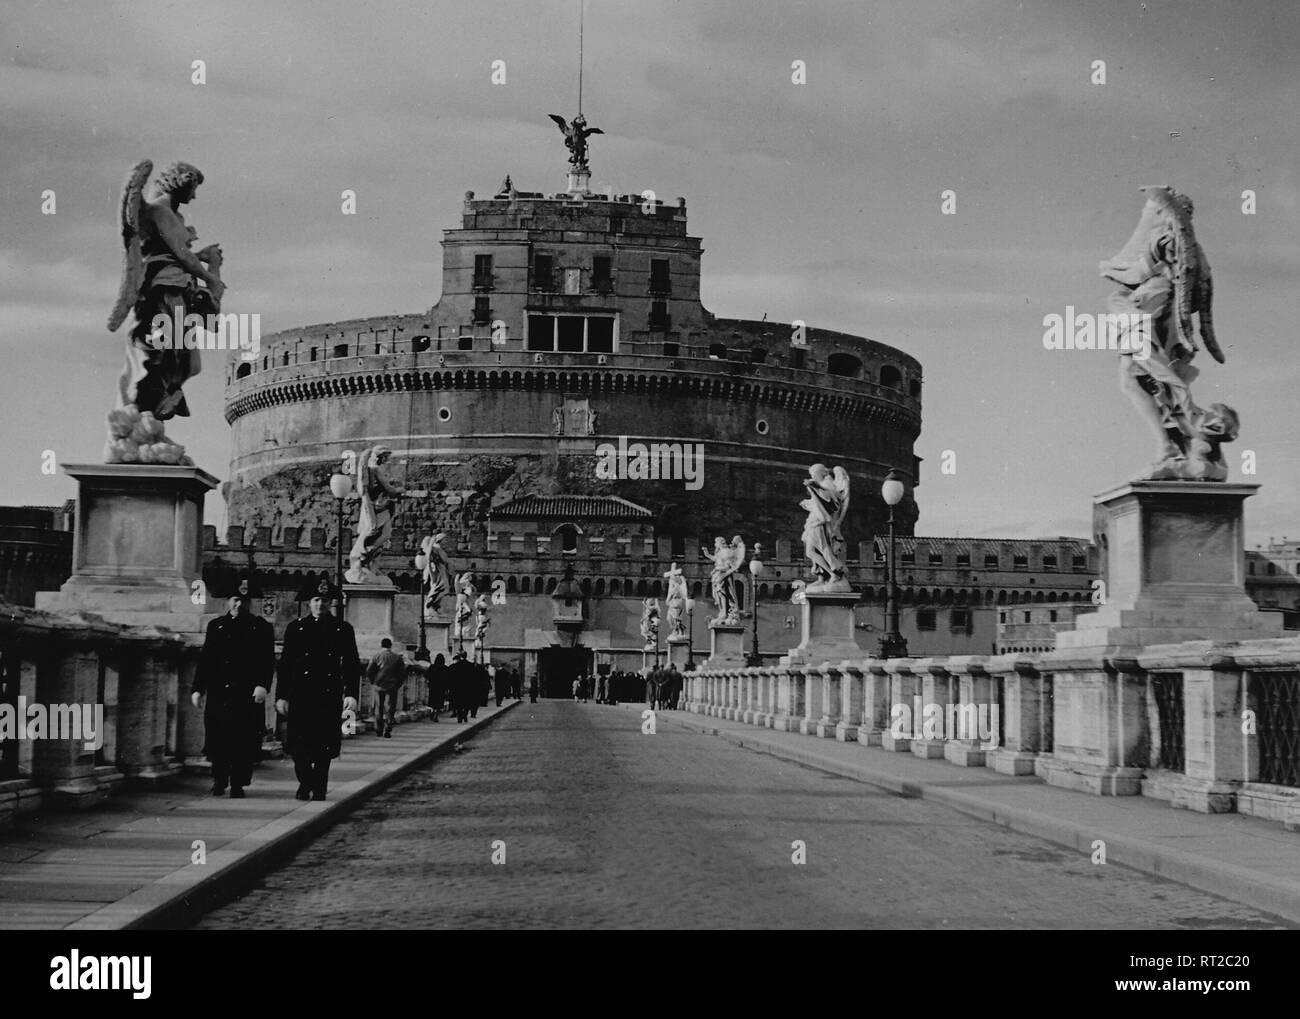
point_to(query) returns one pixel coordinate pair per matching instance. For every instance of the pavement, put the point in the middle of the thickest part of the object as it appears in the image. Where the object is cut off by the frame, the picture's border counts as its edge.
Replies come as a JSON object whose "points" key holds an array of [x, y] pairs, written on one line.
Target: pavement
{"points": [[1243, 859], [159, 857]]}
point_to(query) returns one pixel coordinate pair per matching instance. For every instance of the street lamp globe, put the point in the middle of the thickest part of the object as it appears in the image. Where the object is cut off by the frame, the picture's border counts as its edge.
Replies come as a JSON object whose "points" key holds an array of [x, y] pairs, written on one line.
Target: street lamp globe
{"points": [[421, 562], [892, 490], [690, 604], [340, 485]]}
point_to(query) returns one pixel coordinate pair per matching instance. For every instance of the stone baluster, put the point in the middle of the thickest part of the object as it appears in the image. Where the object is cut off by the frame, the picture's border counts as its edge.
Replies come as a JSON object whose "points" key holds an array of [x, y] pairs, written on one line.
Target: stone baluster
{"points": [[906, 705], [851, 700]]}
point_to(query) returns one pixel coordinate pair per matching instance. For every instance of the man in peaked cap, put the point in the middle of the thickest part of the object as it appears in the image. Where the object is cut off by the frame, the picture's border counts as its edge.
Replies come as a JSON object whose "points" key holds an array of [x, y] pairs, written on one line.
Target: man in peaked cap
{"points": [[234, 671], [318, 678]]}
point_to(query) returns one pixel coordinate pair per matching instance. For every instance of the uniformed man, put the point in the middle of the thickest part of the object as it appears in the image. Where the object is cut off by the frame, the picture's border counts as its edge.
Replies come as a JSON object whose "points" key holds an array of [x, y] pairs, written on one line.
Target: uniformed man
{"points": [[234, 671], [318, 678], [462, 677]]}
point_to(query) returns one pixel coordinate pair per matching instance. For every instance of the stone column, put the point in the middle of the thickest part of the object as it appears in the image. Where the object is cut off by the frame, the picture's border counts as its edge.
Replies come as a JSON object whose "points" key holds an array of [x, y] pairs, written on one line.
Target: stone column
{"points": [[936, 696], [904, 720], [831, 678], [876, 702], [977, 719], [1023, 709], [851, 701], [790, 700], [149, 669], [813, 696]]}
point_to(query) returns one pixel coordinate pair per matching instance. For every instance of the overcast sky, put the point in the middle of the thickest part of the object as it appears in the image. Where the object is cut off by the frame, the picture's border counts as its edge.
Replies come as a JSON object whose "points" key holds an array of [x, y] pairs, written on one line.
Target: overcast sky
{"points": [[818, 201]]}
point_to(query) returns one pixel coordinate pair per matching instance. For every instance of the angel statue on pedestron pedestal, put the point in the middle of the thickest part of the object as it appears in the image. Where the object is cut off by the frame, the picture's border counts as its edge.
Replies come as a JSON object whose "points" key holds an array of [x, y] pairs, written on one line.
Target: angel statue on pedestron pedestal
{"points": [[823, 542]]}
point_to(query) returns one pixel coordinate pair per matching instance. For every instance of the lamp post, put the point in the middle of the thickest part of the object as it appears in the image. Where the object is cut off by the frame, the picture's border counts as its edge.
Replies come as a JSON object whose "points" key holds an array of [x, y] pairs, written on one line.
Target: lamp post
{"points": [[340, 486], [421, 564], [690, 634], [755, 568], [892, 644]]}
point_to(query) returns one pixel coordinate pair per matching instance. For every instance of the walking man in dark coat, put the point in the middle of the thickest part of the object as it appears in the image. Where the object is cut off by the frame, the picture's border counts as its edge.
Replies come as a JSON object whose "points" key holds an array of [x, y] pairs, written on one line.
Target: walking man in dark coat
{"points": [[234, 671], [462, 677], [319, 677]]}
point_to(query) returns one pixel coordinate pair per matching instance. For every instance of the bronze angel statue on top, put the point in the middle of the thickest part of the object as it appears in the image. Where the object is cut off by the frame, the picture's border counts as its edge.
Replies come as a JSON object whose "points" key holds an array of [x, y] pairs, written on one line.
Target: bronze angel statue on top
{"points": [[575, 138], [163, 281]]}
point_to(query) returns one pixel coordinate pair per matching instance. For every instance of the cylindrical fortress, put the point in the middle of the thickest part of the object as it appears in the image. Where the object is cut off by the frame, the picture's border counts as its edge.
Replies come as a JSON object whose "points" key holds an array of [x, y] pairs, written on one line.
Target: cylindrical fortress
{"points": [[569, 328]]}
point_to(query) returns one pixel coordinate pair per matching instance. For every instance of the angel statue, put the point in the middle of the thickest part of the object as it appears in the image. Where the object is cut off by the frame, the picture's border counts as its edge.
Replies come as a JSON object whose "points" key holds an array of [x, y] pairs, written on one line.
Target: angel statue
{"points": [[464, 599], [827, 503], [437, 573], [676, 601], [726, 561], [379, 491], [650, 623], [481, 621], [1164, 280], [163, 281], [575, 138]]}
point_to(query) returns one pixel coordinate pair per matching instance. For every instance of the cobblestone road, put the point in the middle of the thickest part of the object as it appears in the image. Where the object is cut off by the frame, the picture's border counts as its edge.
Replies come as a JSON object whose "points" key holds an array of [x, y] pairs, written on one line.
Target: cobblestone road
{"points": [[606, 827]]}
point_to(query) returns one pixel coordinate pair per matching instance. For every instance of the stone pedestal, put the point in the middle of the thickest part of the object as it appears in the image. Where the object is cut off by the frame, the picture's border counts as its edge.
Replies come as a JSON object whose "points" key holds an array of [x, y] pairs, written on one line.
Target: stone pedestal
{"points": [[677, 651], [369, 608], [437, 637], [827, 627], [1173, 570], [1174, 565], [137, 546], [726, 645]]}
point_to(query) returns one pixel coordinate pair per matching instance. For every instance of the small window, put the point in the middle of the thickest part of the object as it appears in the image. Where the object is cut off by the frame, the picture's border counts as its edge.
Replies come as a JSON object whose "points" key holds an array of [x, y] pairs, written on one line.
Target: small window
{"points": [[340, 350], [1002, 617], [959, 619], [1079, 562], [659, 319], [844, 364], [670, 349], [798, 357], [925, 619], [890, 377], [936, 558], [543, 272], [1049, 562], [1051, 615], [1272, 569], [569, 334], [482, 310], [266, 361], [718, 351], [602, 278], [600, 335], [679, 545], [659, 278], [419, 344], [757, 355], [284, 359], [1020, 562], [909, 558], [1250, 567], [313, 354], [991, 562], [1027, 617], [567, 535], [541, 332], [243, 370], [482, 272], [464, 343], [963, 560]]}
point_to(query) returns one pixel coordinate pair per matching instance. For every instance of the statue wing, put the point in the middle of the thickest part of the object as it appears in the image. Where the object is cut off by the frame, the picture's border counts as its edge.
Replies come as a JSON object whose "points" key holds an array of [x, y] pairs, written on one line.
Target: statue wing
{"points": [[594, 130], [564, 124], [841, 485], [129, 215], [1193, 288]]}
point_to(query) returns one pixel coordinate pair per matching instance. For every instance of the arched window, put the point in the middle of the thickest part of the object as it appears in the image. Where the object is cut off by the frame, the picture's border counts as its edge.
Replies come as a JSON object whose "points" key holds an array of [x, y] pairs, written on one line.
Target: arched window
{"points": [[512, 585], [243, 370], [656, 589], [640, 589], [914, 387], [566, 536], [890, 377], [844, 364]]}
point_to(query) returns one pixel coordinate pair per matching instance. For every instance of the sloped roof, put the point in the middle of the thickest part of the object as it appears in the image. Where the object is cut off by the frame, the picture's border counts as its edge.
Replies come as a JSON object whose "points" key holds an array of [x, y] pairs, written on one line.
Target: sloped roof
{"points": [[570, 507], [1075, 546]]}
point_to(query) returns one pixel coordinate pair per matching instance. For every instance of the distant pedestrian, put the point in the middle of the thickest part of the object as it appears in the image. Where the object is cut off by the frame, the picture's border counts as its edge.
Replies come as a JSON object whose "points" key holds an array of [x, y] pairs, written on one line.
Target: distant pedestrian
{"points": [[672, 685], [387, 673], [532, 689], [501, 683], [462, 678], [437, 684]]}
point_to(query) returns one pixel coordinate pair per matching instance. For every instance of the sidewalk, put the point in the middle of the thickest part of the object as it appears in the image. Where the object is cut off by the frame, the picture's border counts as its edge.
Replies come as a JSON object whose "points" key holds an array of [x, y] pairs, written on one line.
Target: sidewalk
{"points": [[130, 862], [1245, 860]]}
